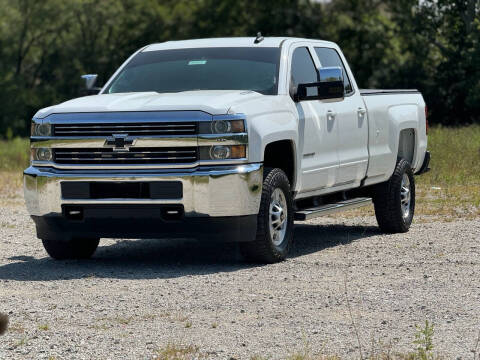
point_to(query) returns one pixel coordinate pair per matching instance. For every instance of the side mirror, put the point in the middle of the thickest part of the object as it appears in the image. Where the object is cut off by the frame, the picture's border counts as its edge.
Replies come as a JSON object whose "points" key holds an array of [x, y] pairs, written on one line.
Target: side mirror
{"points": [[330, 86], [90, 80]]}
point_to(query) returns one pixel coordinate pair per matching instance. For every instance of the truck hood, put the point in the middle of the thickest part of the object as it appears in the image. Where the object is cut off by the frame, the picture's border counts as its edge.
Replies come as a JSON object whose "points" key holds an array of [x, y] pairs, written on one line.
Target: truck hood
{"points": [[215, 102]]}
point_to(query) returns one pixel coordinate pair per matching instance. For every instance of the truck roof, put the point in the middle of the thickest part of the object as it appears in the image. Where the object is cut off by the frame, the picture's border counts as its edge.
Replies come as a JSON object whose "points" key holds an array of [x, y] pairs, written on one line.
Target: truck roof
{"points": [[228, 42]]}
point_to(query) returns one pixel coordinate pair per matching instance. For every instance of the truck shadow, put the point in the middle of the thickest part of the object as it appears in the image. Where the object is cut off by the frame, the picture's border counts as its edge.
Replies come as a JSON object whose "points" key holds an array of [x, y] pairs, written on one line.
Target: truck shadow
{"points": [[164, 259]]}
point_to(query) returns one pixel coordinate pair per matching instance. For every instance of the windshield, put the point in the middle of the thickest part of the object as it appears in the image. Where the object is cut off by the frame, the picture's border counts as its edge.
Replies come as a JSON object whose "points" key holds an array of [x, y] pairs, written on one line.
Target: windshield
{"points": [[163, 71]]}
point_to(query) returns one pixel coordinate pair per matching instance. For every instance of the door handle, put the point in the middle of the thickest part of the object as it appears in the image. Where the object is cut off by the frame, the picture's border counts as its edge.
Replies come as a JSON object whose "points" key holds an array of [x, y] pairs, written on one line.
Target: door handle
{"points": [[361, 113], [331, 115]]}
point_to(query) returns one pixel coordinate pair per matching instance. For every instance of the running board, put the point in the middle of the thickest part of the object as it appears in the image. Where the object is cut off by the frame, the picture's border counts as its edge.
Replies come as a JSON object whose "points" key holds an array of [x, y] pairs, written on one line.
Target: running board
{"points": [[327, 209]]}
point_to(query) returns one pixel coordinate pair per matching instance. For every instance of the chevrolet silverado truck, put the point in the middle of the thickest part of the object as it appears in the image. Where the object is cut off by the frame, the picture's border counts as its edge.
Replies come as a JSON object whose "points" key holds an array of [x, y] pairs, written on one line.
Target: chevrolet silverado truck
{"points": [[223, 139]]}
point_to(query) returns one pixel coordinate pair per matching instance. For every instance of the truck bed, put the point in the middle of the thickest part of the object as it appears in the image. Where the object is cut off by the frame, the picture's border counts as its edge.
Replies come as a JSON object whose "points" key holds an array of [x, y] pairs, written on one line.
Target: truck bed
{"points": [[391, 118]]}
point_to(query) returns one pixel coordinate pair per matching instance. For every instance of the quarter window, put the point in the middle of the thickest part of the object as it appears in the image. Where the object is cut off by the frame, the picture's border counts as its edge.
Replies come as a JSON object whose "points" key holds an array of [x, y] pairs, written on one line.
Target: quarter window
{"points": [[329, 57]]}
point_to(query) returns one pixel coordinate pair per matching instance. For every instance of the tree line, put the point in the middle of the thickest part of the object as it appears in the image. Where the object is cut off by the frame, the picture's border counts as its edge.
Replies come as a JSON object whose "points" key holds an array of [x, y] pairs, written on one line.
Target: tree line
{"points": [[431, 45]]}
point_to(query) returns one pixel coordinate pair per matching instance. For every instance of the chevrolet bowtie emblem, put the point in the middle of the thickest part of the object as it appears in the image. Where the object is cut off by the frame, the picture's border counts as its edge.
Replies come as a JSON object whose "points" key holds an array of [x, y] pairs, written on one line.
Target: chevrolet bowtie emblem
{"points": [[119, 142]]}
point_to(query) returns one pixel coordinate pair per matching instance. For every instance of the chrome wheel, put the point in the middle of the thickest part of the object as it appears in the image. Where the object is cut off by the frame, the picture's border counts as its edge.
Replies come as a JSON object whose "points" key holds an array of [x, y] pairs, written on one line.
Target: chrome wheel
{"points": [[405, 196], [278, 217]]}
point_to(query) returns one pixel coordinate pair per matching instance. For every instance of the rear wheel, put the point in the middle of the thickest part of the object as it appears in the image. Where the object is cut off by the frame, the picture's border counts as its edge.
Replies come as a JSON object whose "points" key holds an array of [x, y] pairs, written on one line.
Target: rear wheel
{"points": [[275, 220], [394, 200], [74, 248]]}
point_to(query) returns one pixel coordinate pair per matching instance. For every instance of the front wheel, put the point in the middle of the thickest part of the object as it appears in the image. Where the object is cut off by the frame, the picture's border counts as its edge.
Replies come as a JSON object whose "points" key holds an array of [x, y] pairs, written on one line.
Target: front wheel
{"points": [[275, 220], [394, 200], [74, 248]]}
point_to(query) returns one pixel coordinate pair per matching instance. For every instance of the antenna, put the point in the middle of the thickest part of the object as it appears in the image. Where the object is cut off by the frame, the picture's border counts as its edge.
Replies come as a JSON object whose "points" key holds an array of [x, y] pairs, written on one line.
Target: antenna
{"points": [[259, 38]]}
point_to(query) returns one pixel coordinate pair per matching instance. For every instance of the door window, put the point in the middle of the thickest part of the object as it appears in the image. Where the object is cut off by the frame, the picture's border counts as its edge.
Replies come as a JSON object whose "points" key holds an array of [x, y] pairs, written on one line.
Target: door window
{"points": [[303, 70], [329, 57]]}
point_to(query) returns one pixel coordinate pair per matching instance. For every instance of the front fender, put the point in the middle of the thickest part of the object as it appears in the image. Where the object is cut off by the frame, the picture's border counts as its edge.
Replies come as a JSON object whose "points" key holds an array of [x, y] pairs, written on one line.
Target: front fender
{"points": [[264, 130], [270, 119]]}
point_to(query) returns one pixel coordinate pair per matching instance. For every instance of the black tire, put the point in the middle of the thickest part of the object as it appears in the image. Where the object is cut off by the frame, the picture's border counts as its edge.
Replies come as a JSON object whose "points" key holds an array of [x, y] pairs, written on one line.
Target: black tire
{"points": [[70, 249], [387, 199], [263, 249]]}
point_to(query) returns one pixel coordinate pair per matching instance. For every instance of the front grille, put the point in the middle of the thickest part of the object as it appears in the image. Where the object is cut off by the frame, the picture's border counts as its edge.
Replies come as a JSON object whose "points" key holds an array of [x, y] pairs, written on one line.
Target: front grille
{"points": [[136, 155], [132, 129]]}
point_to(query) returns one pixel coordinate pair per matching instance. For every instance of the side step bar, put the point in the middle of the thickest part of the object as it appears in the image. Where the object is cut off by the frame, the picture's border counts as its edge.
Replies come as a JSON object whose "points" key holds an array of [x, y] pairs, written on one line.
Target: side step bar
{"points": [[327, 209]]}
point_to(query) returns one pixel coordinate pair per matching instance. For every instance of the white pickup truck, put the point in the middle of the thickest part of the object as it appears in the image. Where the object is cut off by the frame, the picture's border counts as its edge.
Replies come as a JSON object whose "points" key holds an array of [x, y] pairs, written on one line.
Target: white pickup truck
{"points": [[223, 139]]}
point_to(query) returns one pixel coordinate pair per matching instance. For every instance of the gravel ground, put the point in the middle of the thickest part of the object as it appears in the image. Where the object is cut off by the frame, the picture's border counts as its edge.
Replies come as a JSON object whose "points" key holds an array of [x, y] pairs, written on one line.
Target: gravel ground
{"points": [[134, 297]]}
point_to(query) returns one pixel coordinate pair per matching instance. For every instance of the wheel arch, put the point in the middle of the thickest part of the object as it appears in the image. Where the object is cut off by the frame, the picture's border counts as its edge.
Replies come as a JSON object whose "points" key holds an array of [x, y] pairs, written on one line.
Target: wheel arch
{"points": [[282, 154], [407, 145]]}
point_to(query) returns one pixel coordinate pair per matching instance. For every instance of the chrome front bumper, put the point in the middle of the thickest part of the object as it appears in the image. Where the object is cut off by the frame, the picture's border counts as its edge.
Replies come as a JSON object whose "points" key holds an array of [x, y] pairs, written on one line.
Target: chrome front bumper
{"points": [[215, 191]]}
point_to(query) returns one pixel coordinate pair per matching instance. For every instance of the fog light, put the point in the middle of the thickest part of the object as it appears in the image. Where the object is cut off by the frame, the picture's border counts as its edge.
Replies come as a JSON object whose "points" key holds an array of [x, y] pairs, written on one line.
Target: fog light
{"points": [[219, 152], [42, 154]]}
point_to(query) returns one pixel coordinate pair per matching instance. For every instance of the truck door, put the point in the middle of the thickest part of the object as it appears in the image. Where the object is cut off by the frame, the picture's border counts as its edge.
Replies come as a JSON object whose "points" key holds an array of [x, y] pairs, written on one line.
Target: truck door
{"points": [[317, 130], [351, 118]]}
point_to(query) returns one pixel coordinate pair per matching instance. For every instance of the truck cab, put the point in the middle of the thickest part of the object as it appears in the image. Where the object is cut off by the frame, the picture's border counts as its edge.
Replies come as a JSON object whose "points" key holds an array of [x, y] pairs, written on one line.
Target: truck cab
{"points": [[223, 139]]}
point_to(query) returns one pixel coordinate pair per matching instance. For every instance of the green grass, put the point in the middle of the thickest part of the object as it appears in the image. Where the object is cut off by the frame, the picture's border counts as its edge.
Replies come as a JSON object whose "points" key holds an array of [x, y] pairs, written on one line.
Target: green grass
{"points": [[43, 327], [176, 352], [452, 187], [14, 157], [14, 154], [455, 156], [450, 190], [422, 349]]}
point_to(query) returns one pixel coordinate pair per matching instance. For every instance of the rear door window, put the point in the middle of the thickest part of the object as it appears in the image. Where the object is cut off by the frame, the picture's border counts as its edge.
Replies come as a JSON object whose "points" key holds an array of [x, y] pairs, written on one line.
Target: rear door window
{"points": [[328, 58]]}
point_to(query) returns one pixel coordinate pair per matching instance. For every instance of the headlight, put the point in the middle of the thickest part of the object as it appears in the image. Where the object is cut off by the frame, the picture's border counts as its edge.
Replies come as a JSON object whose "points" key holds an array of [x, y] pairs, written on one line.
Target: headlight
{"points": [[220, 152], [223, 152], [222, 127], [41, 129], [41, 154]]}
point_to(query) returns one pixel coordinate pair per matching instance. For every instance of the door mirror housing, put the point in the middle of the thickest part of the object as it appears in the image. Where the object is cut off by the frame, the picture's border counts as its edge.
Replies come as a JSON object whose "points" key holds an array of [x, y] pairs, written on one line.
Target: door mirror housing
{"points": [[330, 86], [90, 80]]}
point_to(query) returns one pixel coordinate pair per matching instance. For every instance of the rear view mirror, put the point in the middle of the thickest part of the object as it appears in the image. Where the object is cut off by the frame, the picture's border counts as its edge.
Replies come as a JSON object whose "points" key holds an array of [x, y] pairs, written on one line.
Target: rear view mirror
{"points": [[90, 80], [330, 86]]}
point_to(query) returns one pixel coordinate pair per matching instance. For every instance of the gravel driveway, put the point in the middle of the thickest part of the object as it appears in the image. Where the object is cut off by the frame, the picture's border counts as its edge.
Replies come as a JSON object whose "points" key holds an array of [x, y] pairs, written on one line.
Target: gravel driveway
{"points": [[135, 297]]}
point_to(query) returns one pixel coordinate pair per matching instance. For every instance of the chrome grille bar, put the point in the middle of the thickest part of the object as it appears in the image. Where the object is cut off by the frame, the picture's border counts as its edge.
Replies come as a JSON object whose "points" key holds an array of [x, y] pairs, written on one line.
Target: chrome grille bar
{"points": [[136, 155], [132, 129], [131, 152]]}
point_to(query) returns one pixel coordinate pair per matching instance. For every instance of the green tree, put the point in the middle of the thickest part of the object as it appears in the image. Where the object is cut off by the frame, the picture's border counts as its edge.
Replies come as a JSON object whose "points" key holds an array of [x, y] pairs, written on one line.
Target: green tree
{"points": [[27, 40], [441, 43]]}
